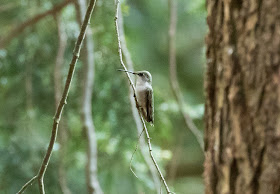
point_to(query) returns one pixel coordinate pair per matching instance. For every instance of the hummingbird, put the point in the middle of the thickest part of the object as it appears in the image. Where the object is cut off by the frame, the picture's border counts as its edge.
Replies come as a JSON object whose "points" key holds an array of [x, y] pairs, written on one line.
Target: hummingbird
{"points": [[144, 94]]}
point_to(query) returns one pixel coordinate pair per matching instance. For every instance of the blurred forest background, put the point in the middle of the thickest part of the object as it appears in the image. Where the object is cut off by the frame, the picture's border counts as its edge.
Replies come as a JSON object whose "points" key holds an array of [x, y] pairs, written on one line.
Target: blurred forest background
{"points": [[27, 96]]}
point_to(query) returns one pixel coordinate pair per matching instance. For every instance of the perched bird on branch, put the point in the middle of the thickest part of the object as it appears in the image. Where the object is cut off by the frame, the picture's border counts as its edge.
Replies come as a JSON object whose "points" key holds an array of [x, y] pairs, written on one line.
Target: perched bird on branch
{"points": [[144, 94]]}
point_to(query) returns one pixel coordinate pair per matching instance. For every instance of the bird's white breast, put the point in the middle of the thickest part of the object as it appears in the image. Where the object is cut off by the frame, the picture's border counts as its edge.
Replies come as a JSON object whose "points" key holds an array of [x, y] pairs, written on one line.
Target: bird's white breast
{"points": [[141, 92]]}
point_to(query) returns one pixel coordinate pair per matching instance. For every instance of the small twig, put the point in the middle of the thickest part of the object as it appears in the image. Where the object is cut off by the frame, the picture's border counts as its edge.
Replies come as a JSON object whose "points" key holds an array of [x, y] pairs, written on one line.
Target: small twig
{"points": [[27, 184], [173, 74], [138, 122], [58, 81], [63, 100], [151, 154], [133, 87], [120, 49], [130, 164]]}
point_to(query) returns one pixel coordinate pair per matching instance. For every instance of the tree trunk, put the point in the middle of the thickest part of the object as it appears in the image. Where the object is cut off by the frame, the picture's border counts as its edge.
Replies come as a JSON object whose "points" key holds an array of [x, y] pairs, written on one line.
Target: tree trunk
{"points": [[242, 115]]}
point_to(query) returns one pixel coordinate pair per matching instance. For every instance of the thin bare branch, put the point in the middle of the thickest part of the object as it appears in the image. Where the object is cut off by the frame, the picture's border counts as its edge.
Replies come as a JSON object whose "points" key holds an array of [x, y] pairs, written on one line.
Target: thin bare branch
{"points": [[130, 163], [26, 185], [135, 114], [63, 100], [58, 80], [135, 98], [86, 106], [4, 41], [173, 74]]}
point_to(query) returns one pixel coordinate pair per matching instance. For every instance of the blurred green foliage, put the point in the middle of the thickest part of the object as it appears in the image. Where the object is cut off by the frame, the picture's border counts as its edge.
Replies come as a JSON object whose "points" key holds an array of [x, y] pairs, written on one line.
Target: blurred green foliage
{"points": [[25, 132]]}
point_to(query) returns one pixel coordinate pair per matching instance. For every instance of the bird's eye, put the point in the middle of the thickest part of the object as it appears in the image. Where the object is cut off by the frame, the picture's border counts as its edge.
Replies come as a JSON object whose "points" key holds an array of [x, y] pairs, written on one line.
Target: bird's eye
{"points": [[140, 74]]}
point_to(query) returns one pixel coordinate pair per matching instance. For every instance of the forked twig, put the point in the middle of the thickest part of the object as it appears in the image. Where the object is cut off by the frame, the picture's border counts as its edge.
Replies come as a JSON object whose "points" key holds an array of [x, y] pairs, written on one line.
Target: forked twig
{"points": [[62, 102], [27, 184], [136, 117], [130, 163], [133, 87]]}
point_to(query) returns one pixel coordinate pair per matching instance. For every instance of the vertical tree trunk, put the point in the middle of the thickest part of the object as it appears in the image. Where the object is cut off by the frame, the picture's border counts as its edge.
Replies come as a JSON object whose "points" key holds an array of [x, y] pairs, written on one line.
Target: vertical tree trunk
{"points": [[62, 133], [88, 59], [242, 115]]}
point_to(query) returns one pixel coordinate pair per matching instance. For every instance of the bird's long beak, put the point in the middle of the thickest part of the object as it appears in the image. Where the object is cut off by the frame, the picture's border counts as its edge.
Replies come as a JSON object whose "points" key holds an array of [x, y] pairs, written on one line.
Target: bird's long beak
{"points": [[126, 71]]}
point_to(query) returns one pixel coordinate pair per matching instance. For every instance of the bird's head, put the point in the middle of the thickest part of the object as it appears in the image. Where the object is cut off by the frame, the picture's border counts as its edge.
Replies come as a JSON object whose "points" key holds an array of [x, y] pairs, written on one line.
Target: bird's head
{"points": [[143, 75]]}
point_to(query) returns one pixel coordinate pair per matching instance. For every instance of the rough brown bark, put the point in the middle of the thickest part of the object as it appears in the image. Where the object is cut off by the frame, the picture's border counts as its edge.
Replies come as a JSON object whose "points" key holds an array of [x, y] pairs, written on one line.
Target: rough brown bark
{"points": [[58, 80], [86, 112], [242, 115]]}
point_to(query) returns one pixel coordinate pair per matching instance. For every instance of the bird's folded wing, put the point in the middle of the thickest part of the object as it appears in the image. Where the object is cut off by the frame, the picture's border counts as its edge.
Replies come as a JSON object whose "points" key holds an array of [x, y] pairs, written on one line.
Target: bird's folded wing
{"points": [[150, 105]]}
